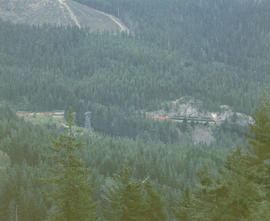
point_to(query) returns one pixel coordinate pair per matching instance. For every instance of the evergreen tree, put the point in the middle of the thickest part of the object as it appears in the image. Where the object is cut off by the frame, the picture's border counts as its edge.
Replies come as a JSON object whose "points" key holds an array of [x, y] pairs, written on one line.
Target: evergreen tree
{"points": [[184, 206], [259, 150], [241, 189], [133, 200], [20, 195], [259, 137], [239, 195], [124, 199], [230, 196], [154, 204], [204, 197], [71, 187]]}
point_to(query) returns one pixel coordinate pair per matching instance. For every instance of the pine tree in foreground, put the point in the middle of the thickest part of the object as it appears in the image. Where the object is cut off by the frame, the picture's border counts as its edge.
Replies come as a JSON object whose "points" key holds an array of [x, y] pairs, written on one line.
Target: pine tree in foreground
{"points": [[259, 144], [231, 196], [70, 182], [259, 132], [183, 209], [124, 199], [132, 200], [240, 192], [154, 204], [259, 155]]}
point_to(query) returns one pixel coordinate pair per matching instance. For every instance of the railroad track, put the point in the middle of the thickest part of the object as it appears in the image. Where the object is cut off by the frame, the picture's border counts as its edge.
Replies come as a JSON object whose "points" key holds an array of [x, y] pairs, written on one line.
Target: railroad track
{"points": [[185, 118]]}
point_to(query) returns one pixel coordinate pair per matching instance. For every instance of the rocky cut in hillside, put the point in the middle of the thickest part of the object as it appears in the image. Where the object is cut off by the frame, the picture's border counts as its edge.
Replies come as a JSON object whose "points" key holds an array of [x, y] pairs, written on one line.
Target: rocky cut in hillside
{"points": [[58, 12]]}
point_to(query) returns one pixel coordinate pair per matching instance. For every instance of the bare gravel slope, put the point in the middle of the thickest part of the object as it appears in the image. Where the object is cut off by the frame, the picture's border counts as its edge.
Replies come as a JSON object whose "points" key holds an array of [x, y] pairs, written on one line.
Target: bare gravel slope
{"points": [[59, 12]]}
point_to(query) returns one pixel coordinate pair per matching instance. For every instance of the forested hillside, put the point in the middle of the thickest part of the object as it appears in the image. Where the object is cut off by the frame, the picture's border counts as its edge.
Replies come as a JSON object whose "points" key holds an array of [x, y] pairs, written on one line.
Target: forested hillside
{"points": [[173, 167], [233, 32], [130, 180], [117, 76], [131, 166]]}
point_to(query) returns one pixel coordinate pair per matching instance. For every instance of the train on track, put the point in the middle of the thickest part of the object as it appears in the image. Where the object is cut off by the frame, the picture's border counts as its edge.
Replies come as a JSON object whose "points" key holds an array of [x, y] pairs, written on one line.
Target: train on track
{"points": [[185, 118]]}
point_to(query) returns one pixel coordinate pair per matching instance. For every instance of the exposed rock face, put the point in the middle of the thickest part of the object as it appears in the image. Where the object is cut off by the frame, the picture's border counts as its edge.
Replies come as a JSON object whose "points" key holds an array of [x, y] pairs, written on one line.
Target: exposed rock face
{"points": [[58, 12], [190, 108], [32, 11], [202, 134]]}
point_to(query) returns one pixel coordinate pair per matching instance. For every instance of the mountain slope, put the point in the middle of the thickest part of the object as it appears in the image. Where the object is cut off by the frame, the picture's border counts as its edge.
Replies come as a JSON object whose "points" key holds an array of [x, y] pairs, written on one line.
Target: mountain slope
{"points": [[59, 12]]}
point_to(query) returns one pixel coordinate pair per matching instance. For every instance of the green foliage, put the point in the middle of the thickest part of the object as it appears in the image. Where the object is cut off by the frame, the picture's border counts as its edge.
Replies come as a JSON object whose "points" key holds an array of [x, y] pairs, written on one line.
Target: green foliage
{"points": [[171, 166], [125, 198], [154, 204], [118, 76], [231, 196], [71, 188], [241, 194], [183, 209], [130, 200], [259, 144], [259, 138], [21, 194], [217, 52], [240, 191], [231, 32]]}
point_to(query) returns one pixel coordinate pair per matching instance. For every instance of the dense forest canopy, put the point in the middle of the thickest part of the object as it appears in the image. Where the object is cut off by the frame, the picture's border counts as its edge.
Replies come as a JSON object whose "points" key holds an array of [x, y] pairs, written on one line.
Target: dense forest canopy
{"points": [[115, 76], [161, 178], [228, 40], [132, 167], [222, 31]]}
